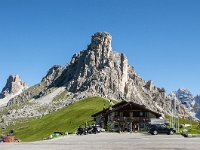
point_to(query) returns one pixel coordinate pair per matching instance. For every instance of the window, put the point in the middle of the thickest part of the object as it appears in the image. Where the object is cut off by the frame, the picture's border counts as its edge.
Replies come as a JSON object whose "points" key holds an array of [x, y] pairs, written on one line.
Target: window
{"points": [[126, 114], [163, 126], [116, 126], [116, 114]]}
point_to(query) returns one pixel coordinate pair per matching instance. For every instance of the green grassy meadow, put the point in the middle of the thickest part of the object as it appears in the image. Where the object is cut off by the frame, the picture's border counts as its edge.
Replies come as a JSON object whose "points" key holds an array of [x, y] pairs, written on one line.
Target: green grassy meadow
{"points": [[65, 120]]}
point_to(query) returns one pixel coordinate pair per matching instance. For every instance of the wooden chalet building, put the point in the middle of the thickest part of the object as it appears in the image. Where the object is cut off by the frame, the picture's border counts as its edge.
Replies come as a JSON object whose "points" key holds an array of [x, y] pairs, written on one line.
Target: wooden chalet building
{"points": [[125, 116]]}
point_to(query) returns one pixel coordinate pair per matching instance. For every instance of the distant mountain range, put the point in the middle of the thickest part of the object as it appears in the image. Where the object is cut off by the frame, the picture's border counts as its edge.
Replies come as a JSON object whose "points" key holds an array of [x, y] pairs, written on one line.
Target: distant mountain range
{"points": [[189, 100]]}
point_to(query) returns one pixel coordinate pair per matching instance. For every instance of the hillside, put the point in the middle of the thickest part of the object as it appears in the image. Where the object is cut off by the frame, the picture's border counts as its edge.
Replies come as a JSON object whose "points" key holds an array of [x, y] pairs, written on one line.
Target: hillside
{"points": [[66, 120]]}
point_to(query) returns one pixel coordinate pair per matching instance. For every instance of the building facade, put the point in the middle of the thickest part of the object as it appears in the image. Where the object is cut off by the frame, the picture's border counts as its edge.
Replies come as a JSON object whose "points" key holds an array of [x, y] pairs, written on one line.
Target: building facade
{"points": [[125, 116]]}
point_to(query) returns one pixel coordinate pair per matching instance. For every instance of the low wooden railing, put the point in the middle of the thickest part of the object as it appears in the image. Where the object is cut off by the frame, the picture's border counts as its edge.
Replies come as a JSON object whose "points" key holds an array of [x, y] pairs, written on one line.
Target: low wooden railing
{"points": [[130, 119]]}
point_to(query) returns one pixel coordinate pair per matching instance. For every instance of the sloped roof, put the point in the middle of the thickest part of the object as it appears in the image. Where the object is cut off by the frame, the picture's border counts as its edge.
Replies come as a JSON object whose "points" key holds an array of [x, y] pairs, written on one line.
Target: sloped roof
{"points": [[123, 104]]}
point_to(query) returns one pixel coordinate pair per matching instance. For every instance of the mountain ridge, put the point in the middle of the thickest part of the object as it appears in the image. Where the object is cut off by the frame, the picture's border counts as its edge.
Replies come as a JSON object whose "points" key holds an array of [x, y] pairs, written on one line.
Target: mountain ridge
{"points": [[98, 71]]}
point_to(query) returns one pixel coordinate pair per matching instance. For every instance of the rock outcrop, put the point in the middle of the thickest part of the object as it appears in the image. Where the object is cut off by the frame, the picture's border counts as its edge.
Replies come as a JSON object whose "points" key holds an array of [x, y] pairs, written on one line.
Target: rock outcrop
{"points": [[186, 97], [191, 102], [14, 86], [99, 70]]}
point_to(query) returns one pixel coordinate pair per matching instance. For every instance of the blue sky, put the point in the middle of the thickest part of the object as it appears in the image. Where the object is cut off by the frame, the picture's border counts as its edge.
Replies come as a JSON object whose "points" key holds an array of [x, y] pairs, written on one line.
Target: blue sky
{"points": [[159, 37]]}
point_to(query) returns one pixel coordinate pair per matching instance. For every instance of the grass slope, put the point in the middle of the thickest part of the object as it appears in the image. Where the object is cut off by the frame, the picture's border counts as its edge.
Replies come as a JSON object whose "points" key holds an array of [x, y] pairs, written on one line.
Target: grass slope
{"points": [[66, 120]]}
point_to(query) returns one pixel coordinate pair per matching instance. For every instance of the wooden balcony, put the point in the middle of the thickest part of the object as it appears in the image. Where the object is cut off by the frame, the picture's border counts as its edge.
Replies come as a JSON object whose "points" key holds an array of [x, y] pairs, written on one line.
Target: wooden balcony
{"points": [[130, 119]]}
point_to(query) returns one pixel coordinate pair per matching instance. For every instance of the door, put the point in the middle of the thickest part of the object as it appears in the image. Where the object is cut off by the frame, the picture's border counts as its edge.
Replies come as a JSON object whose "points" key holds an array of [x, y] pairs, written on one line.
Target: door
{"points": [[163, 128]]}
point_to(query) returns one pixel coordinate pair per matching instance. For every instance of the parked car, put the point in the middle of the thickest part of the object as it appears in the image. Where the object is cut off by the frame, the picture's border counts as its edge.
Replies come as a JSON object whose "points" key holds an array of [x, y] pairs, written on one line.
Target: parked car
{"points": [[59, 133], [7, 140], [154, 129]]}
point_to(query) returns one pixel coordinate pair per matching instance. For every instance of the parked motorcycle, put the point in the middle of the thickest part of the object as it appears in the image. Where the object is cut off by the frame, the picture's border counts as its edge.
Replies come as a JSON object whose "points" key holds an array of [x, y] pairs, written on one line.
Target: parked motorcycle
{"points": [[94, 129], [81, 131]]}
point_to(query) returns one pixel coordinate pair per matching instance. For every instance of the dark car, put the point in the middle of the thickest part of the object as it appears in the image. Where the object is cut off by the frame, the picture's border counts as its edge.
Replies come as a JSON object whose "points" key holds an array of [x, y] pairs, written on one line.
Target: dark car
{"points": [[161, 128]]}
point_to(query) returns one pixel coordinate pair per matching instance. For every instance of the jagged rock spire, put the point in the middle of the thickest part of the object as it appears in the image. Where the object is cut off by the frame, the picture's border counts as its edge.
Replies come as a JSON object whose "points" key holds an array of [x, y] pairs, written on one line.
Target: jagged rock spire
{"points": [[101, 40], [13, 86], [100, 49]]}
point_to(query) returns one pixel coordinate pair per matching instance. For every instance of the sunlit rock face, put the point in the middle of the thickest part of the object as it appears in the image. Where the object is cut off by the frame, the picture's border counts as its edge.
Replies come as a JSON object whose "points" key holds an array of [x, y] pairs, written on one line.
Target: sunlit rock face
{"points": [[101, 71], [13, 86]]}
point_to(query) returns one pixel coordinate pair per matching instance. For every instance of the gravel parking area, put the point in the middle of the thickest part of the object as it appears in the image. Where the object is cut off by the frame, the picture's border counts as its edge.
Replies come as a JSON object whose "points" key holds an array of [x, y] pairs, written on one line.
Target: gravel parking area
{"points": [[109, 141]]}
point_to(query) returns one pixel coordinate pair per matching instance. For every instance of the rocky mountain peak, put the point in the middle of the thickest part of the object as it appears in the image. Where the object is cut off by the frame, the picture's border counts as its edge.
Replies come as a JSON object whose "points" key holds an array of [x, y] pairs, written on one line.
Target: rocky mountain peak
{"points": [[101, 40], [100, 71], [14, 86], [96, 68], [186, 97], [183, 91]]}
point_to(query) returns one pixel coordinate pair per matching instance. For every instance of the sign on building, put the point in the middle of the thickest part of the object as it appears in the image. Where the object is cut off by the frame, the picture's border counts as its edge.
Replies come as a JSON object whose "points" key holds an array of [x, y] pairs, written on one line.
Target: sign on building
{"points": [[158, 121]]}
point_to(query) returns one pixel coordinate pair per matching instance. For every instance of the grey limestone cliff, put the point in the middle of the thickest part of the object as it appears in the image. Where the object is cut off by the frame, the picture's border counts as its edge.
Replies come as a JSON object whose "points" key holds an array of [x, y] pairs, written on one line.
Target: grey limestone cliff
{"points": [[99, 70], [14, 85]]}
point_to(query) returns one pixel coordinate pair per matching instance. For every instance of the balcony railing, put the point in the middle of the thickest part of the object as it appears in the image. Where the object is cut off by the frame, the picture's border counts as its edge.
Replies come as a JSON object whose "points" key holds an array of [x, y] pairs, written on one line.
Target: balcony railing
{"points": [[130, 119]]}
